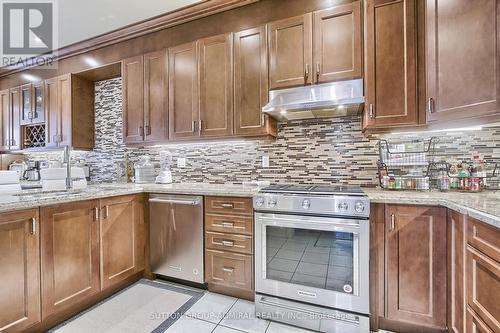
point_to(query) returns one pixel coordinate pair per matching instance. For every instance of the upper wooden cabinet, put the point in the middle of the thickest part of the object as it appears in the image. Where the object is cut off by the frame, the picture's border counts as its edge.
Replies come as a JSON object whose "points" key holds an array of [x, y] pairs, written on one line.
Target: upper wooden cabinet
{"points": [[290, 52], [69, 108], [32, 104], [15, 104], [20, 262], [5, 127], [416, 265], [391, 63], [122, 238], [215, 63], [462, 40], [70, 255], [183, 106], [251, 85], [315, 48], [145, 92], [337, 43]]}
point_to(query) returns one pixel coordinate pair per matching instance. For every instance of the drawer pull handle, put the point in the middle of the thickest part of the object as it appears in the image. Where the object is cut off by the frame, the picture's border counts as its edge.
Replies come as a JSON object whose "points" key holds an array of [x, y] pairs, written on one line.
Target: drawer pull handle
{"points": [[228, 269], [228, 243], [227, 205], [33, 226], [227, 224]]}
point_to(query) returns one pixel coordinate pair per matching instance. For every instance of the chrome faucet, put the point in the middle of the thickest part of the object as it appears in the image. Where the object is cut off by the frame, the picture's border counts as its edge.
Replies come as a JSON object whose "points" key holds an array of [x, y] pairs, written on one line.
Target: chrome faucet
{"points": [[67, 160]]}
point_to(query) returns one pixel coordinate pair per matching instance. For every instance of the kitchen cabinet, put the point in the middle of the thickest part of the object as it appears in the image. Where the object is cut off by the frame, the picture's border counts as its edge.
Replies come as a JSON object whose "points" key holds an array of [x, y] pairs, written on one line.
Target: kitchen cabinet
{"points": [[462, 45], [483, 277], [19, 259], [337, 43], [32, 104], [229, 248], [215, 63], [416, 265], [4, 120], [183, 106], [457, 240], [15, 105], [69, 107], [145, 90], [390, 64], [121, 238], [69, 255], [251, 83]]}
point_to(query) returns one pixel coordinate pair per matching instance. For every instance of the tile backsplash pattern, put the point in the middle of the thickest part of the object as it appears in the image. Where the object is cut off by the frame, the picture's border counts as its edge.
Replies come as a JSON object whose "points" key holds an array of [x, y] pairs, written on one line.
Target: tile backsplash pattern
{"points": [[309, 151]]}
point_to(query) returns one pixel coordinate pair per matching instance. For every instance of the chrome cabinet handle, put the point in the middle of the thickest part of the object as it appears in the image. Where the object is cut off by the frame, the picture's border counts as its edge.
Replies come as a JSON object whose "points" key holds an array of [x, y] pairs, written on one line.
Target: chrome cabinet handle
{"points": [[430, 105], [393, 222], [371, 111], [228, 269], [140, 131], [227, 224], [96, 213], [306, 72], [227, 205], [106, 212], [193, 126], [33, 226], [200, 126], [228, 243], [318, 71]]}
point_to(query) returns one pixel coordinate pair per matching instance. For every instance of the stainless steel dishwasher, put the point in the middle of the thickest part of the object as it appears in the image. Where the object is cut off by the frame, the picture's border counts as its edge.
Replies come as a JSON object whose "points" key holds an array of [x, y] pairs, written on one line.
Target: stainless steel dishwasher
{"points": [[176, 236]]}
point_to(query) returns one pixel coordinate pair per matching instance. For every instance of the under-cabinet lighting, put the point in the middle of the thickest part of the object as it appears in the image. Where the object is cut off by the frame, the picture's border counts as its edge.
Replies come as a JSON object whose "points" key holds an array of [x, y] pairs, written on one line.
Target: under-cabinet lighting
{"points": [[31, 78], [91, 61], [461, 129]]}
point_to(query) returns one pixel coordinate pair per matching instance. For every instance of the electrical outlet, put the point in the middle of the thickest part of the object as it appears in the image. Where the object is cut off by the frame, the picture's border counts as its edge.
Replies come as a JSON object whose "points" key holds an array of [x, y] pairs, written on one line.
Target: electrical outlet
{"points": [[265, 161], [181, 162]]}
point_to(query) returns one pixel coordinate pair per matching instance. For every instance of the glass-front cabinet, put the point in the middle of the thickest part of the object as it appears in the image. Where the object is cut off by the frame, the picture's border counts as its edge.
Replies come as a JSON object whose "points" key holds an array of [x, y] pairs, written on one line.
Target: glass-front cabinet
{"points": [[32, 104]]}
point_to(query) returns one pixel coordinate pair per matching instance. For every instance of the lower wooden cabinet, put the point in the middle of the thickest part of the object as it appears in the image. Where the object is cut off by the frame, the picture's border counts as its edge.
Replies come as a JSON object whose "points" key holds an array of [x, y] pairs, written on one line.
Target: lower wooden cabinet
{"points": [[476, 325], [121, 238], [228, 269], [69, 254], [20, 270]]}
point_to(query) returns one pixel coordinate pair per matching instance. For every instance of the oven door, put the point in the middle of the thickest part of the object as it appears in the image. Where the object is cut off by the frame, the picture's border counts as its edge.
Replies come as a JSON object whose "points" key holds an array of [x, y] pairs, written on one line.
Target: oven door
{"points": [[317, 260]]}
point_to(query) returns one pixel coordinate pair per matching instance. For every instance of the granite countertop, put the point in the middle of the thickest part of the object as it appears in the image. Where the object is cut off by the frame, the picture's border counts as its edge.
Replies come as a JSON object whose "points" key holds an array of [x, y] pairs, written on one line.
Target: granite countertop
{"points": [[483, 206]]}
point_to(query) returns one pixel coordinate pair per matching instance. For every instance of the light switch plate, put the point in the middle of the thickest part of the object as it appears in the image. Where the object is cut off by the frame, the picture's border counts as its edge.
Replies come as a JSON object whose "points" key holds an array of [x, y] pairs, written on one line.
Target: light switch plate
{"points": [[265, 161], [181, 162]]}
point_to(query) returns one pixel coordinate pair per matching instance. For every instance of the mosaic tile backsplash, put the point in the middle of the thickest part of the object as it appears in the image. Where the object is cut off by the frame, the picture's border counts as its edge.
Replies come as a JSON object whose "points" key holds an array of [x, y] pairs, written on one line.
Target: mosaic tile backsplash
{"points": [[310, 151]]}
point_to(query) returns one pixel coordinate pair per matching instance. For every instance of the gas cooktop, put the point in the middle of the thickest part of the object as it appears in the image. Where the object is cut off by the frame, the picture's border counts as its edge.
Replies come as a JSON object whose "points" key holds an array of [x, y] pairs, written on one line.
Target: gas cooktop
{"points": [[314, 189]]}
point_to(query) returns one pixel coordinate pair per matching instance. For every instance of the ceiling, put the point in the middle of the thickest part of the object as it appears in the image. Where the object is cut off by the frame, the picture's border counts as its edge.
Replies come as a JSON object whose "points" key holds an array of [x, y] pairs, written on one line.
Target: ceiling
{"points": [[80, 20]]}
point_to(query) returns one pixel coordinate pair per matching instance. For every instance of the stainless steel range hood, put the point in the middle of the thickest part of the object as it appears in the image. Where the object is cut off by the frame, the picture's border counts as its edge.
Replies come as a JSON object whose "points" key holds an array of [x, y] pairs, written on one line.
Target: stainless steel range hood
{"points": [[317, 101]]}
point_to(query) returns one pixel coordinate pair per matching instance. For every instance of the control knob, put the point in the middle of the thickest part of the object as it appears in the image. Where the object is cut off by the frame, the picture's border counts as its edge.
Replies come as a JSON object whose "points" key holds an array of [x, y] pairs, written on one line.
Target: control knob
{"points": [[259, 201], [343, 206], [306, 203], [272, 202], [359, 206]]}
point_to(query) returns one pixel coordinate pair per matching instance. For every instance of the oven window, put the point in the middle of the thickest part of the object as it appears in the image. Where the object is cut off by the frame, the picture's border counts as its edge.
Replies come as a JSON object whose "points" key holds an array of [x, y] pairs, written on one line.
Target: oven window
{"points": [[319, 259]]}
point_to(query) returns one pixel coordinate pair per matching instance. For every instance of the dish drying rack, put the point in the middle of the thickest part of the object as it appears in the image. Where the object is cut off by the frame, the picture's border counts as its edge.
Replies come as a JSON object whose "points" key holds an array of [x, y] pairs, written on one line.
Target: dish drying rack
{"points": [[406, 165]]}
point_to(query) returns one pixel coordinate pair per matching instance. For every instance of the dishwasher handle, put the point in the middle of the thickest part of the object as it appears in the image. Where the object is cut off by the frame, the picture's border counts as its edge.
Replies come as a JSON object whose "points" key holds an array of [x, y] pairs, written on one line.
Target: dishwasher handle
{"points": [[194, 202]]}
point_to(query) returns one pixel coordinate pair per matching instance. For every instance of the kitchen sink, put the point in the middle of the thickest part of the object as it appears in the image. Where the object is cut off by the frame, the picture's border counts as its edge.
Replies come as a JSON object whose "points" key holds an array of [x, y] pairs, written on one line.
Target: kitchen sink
{"points": [[49, 194]]}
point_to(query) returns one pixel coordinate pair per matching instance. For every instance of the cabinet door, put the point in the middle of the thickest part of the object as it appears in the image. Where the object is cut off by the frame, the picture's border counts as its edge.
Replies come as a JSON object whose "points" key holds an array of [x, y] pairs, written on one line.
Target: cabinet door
{"points": [[37, 103], [183, 106], [216, 85], [70, 254], [457, 240], [416, 265], [290, 53], [20, 262], [26, 104], [14, 121], [133, 99], [391, 68], [462, 58], [4, 120], [122, 238], [155, 96], [51, 106], [64, 119], [251, 85], [337, 43]]}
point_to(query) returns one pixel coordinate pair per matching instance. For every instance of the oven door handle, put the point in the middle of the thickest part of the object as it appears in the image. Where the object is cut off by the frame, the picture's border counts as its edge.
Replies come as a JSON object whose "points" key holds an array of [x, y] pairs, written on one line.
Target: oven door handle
{"points": [[330, 221]]}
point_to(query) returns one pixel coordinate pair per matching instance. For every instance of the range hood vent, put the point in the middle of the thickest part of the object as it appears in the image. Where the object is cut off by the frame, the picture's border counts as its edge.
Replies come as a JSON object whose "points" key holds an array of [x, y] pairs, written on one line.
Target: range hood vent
{"points": [[317, 101]]}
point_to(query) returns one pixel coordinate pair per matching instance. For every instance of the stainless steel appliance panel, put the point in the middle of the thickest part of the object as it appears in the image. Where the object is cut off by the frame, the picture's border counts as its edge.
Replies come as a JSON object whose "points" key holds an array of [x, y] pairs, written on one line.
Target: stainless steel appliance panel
{"points": [[176, 236]]}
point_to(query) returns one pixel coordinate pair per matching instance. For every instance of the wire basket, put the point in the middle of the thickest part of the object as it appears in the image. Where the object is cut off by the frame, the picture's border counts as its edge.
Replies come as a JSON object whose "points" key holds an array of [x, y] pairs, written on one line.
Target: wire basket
{"points": [[458, 177]]}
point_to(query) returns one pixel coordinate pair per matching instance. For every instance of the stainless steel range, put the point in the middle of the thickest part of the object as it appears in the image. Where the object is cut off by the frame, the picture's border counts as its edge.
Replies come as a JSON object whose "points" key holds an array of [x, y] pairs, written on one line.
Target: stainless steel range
{"points": [[312, 257]]}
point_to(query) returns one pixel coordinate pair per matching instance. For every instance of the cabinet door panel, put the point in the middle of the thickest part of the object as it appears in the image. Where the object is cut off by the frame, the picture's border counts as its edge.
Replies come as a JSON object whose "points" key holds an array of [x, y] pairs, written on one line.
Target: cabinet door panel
{"points": [[14, 119], [416, 265], [122, 239], [290, 52], [26, 104], [133, 99], [70, 255], [391, 71], [37, 107], [183, 107], [216, 85], [155, 96], [20, 262], [65, 125], [51, 111], [4, 120], [337, 43], [462, 58]]}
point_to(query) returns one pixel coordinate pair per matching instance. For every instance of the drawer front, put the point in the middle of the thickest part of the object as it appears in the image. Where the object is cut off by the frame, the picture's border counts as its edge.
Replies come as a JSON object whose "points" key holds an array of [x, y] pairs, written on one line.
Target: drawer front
{"points": [[229, 242], [483, 287], [229, 224], [229, 205], [474, 324], [229, 269], [484, 238]]}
